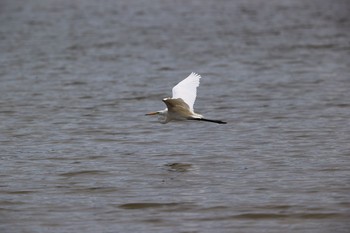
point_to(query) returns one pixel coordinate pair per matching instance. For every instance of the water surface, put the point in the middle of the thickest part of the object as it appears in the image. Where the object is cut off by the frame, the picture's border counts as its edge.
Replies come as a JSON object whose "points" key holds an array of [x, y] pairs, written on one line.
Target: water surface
{"points": [[78, 155]]}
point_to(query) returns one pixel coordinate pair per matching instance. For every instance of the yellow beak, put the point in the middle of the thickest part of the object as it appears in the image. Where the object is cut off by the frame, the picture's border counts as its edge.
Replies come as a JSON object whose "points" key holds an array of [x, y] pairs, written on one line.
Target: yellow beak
{"points": [[151, 113]]}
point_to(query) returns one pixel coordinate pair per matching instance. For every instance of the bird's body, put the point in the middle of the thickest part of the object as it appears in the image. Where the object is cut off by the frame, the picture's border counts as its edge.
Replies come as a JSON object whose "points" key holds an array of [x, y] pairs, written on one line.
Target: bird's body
{"points": [[180, 106]]}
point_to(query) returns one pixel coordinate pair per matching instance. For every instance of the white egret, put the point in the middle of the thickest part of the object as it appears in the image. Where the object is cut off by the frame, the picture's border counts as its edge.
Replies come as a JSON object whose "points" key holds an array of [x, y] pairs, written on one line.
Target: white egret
{"points": [[180, 106]]}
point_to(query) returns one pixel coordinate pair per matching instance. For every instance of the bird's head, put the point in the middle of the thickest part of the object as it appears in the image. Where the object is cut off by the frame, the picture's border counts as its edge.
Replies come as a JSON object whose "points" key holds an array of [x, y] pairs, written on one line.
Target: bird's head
{"points": [[160, 113]]}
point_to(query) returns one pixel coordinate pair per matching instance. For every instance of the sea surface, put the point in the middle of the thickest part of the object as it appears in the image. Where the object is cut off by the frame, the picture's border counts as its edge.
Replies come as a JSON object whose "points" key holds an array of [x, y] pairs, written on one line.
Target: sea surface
{"points": [[77, 153]]}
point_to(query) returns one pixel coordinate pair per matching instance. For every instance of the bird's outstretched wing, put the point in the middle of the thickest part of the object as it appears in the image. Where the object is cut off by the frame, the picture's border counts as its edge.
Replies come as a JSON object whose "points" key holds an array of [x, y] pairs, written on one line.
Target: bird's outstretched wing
{"points": [[177, 107], [187, 89]]}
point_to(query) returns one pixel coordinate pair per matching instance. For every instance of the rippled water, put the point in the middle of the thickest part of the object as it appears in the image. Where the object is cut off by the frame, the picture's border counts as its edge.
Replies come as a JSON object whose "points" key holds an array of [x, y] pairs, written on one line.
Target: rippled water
{"points": [[78, 155]]}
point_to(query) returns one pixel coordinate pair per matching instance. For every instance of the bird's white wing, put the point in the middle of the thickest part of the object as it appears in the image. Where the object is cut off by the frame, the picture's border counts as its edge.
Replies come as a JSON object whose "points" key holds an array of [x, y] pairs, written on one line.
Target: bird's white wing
{"points": [[187, 89]]}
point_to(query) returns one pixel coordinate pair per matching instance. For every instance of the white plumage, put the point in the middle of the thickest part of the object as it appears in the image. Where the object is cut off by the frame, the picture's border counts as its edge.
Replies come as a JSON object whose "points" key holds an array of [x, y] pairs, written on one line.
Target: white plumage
{"points": [[187, 89], [180, 106]]}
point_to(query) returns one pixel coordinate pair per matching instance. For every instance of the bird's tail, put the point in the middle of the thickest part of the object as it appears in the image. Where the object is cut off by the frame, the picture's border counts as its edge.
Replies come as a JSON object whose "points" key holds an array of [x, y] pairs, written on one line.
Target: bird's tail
{"points": [[208, 120]]}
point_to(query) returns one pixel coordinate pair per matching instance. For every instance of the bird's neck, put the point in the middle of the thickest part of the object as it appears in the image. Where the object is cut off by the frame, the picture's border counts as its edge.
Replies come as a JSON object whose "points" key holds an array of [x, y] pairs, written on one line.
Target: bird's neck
{"points": [[163, 116]]}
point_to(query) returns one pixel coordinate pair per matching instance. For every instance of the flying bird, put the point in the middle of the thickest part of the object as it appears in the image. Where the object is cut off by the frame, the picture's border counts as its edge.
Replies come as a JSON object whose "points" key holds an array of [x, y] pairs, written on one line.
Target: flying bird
{"points": [[180, 106]]}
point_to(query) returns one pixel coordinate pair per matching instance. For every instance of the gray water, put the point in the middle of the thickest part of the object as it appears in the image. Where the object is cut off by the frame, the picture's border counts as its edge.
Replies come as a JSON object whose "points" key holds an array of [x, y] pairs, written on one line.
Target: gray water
{"points": [[78, 155]]}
